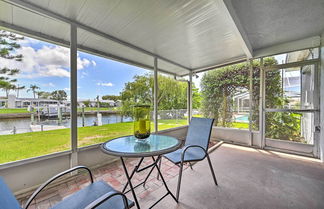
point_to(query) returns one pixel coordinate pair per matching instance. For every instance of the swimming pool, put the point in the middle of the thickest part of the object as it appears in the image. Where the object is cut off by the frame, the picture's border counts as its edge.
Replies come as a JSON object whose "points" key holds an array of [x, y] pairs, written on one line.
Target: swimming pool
{"points": [[242, 118]]}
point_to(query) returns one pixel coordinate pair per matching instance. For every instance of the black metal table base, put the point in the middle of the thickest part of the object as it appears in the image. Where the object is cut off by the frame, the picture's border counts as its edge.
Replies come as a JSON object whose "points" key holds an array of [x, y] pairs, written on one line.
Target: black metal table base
{"points": [[137, 170]]}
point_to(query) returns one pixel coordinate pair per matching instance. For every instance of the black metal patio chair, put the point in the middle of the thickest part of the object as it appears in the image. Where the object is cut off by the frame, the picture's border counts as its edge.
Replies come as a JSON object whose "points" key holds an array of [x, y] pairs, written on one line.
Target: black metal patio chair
{"points": [[195, 148], [96, 195]]}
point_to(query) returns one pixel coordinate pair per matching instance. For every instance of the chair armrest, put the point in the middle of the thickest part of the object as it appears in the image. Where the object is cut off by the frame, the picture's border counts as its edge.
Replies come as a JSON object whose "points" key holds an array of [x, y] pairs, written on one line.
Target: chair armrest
{"points": [[105, 197], [40, 188], [190, 146]]}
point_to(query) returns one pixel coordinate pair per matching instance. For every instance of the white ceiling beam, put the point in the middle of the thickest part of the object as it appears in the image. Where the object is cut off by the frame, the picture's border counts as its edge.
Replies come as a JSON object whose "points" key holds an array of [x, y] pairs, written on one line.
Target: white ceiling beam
{"points": [[224, 63], [228, 8], [291, 46], [35, 8], [64, 43]]}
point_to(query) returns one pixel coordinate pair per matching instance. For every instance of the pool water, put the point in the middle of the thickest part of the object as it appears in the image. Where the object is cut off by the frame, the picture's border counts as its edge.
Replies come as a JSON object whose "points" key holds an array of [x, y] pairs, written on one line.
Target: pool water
{"points": [[243, 118]]}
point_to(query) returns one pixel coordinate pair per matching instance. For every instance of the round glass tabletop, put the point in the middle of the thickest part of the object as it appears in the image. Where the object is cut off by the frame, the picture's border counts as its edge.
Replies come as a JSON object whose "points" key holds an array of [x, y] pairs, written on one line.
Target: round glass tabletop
{"points": [[129, 146]]}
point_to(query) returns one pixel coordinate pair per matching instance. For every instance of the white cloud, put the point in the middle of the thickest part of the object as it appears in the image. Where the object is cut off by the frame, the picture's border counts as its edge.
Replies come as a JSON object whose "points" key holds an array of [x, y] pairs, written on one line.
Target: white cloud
{"points": [[105, 84], [50, 84], [94, 63], [82, 63], [44, 62]]}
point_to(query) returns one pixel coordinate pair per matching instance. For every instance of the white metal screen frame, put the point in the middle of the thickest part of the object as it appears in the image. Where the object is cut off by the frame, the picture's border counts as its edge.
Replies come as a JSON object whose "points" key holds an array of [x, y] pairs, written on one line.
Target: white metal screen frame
{"points": [[289, 146]]}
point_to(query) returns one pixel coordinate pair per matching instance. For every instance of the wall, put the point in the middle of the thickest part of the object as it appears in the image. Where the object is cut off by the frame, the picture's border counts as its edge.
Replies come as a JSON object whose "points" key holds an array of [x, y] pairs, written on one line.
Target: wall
{"points": [[240, 136]]}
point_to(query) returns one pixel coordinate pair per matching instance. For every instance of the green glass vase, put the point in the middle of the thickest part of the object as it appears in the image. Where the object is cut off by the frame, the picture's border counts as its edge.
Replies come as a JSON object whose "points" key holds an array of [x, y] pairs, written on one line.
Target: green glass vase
{"points": [[142, 123]]}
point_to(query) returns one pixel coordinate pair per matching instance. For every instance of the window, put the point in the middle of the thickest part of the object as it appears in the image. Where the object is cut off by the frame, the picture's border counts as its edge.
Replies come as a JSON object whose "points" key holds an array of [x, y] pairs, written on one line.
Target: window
{"points": [[107, 92], [225, 95], [34, 98], [172, 102], [296, 56]]}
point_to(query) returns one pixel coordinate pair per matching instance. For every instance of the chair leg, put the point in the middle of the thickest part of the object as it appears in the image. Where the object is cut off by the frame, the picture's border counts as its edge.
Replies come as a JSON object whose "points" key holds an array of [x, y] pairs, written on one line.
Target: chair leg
{"points": [[179, 180], [160, 164], [211, 169], [190, 165]]}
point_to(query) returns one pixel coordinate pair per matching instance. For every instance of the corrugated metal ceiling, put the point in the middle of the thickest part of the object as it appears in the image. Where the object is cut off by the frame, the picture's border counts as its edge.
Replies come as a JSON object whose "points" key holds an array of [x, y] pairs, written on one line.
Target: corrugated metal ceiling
{"points": [[190, 34]]}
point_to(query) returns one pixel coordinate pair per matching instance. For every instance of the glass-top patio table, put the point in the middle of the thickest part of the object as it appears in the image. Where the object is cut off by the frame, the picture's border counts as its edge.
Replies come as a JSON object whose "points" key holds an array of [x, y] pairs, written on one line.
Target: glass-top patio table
{"points": [[129, 146]]}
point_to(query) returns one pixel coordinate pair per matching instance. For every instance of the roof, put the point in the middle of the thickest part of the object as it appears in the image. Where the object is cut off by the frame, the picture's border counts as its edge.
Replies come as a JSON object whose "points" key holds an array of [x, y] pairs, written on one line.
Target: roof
{"points": [[184, 35]]}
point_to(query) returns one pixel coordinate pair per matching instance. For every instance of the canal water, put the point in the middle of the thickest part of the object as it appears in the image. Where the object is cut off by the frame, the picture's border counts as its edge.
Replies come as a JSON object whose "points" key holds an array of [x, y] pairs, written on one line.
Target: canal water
{"points": [[23, 125]]}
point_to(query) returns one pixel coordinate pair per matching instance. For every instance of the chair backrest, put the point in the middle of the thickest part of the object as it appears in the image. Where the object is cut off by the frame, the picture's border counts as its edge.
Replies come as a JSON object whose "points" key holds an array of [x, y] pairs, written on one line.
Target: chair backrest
{"points": [[7, 199], [199, 132]]}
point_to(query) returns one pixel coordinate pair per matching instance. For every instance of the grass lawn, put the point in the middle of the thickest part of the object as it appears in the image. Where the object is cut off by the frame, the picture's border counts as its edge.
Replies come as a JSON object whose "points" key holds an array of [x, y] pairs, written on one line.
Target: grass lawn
{"points": [[240, 125], [13, 110], [27, 145]]}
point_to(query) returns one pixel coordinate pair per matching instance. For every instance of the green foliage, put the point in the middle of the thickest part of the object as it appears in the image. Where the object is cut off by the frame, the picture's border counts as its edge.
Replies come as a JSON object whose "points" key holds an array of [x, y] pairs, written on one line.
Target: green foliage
{"points": [[59, 95], [115, 98], [33, 88], [196, 97], [104, 104], [172, 94], [8, 45], [219, 87], [283, 125], [44, 94], [87, 103]]}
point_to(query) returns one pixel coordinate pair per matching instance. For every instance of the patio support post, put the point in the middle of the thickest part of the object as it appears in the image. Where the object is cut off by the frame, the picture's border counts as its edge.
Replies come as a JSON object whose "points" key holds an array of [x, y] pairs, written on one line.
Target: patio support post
{"points": [[74, 101], [250, 100], [189, 97], [262, 105], [321, 142], [155, 101]]}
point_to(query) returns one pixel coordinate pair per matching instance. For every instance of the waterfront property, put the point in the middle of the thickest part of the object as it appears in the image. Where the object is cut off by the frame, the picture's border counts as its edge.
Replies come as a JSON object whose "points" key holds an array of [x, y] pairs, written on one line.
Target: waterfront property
{"points": [[13, 102], [254, 67]]}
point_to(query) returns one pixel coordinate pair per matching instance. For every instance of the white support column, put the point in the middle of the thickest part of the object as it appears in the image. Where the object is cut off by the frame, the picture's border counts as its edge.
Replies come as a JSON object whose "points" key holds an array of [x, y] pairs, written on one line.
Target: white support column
{"points": [[321, 140], [190, 97], [155, 100], [262, 105], [74, 100], [250, 99]]}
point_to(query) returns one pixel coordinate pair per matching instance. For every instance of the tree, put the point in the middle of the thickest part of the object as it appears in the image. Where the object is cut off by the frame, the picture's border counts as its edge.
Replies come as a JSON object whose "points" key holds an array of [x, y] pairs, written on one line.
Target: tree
{"points": [[43, 94], [87, 103], [18, 88], [59, 95], [115, 98], [196, 97], [6, 86], [172, 94], [33, 88], [8, 46]]}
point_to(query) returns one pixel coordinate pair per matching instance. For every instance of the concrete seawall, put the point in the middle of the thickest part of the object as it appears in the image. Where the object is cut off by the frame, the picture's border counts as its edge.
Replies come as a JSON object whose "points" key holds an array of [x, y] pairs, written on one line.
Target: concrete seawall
{"points": [[15, 115]]}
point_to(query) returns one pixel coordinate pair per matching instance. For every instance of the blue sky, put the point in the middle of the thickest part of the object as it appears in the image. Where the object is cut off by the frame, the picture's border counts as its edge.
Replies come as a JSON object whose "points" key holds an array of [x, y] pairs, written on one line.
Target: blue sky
{"points": [[107, 77], [47, 66]]}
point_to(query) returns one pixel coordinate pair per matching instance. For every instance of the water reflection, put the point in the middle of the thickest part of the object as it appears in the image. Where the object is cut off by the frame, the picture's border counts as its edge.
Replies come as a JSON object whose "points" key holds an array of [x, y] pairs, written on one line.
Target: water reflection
{"points": [[23, 125]]}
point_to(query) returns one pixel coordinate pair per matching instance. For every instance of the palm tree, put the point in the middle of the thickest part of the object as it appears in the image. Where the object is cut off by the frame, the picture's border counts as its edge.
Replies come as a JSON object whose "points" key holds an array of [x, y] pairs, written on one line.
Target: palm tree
{"points": [[7, 87], [18, 88], [33, 88]]}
